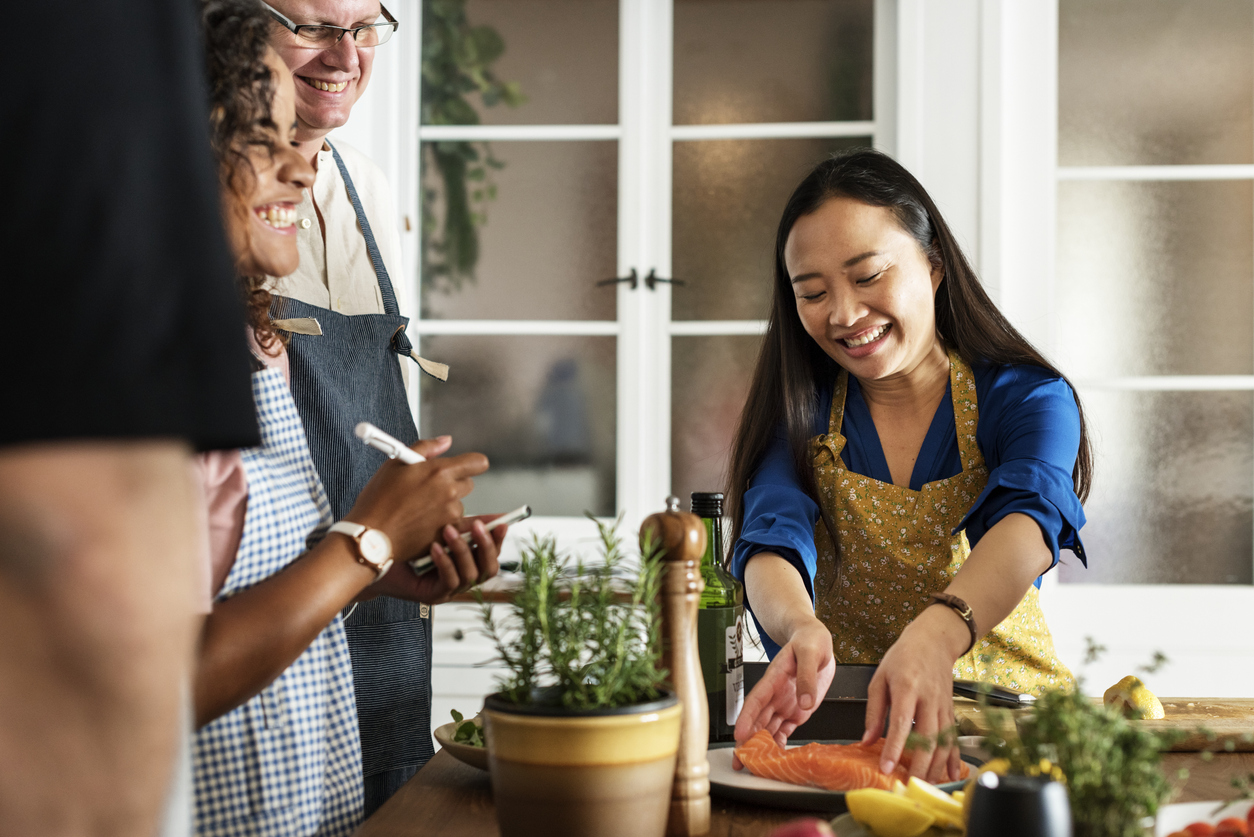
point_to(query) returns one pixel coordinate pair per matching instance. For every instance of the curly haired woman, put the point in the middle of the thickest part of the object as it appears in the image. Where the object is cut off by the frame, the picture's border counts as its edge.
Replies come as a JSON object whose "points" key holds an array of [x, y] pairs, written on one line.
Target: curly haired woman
{"points": [[277, 750]]}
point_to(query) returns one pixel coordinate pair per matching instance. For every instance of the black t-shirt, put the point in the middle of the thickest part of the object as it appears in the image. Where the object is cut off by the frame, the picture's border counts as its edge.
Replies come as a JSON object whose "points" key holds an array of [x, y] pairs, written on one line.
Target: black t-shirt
{"points": [[120, 315]]}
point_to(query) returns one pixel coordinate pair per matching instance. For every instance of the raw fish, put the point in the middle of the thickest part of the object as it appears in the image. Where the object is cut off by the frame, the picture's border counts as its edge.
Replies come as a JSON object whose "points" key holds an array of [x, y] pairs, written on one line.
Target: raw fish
{"points": [[836, 767]]}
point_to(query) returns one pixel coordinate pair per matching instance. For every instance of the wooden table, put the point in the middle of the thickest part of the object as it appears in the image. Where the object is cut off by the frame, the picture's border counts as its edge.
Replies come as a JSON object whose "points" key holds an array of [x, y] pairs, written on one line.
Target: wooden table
{"points": [[448, 799]]}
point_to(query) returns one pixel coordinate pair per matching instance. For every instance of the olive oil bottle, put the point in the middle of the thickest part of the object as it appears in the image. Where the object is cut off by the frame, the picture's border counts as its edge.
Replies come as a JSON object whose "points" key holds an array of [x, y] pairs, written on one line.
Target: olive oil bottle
{"points": [[720, 624]]}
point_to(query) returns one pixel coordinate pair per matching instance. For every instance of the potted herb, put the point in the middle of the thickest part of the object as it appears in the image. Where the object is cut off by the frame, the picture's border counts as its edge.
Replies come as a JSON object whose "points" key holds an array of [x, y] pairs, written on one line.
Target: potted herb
{"points": [[582, 736], [1112, 767]]}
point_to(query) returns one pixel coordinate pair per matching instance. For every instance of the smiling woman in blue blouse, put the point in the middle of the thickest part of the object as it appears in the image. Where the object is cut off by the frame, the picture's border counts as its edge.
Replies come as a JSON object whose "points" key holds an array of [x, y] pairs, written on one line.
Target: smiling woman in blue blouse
{"points": [[906, 468]]}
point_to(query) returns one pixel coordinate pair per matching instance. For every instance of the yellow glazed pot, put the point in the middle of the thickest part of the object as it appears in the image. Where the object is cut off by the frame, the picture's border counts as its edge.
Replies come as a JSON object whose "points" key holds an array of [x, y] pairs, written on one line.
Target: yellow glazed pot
{"points": [[597, 773]]}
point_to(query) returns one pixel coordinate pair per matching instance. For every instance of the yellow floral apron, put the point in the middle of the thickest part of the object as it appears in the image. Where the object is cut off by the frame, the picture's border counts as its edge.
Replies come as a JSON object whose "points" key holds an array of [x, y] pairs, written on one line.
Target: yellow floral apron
{"points": [[896, 549]]}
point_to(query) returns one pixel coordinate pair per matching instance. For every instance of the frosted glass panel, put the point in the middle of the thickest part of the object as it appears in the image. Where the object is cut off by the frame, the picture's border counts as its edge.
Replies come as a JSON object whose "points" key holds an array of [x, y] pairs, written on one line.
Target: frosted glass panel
{"points": [[709, 383], [541, 409], [1171, 500], [562, 56], [545, 226], [1155, 278], [728, 197], [1155, 82], [777, 61]]}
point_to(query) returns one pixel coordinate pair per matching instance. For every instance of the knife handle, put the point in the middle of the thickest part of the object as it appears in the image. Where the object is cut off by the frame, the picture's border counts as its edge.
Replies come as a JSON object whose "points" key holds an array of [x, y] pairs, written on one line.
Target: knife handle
{"points": [[992, 695]]}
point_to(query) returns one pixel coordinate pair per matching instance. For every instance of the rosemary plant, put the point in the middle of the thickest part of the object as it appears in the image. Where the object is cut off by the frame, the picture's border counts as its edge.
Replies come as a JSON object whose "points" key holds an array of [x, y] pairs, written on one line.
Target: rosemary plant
{"points": [[582, 637]]}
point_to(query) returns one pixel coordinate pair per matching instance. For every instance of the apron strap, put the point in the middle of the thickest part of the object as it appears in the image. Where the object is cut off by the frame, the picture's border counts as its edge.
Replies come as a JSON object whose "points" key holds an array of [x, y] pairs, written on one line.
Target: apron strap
{"points": [[838, 402], [966, 411], [380, 271]]}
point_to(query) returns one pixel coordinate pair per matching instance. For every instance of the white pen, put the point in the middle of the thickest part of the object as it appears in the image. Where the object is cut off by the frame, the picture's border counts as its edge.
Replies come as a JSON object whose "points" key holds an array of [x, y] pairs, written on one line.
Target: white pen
{"points": [[424, 563], [390, 445]]}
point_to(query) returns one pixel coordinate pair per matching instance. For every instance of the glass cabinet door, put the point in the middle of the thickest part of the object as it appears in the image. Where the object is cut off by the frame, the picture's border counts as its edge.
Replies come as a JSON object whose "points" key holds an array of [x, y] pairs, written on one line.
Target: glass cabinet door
{"points": [[569, 144]]}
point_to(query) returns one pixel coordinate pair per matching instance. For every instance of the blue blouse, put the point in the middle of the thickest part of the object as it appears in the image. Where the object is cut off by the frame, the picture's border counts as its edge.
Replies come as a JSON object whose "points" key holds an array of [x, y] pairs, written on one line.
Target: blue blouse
{"points": [[1028, 431]]}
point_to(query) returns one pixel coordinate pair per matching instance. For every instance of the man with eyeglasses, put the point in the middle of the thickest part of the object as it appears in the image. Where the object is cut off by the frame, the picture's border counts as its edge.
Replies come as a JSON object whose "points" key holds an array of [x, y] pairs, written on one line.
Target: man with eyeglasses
{"points": [[348, 355]]}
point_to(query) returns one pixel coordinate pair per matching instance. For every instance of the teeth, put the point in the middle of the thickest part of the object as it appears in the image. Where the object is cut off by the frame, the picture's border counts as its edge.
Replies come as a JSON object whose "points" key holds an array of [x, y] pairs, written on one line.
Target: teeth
{"points": [[869, 337], [278, 217], [330, 88]]}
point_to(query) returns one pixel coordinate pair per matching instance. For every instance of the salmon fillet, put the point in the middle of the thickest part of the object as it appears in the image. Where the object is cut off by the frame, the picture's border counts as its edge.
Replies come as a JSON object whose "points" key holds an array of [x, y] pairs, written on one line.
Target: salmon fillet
{"points": [[836, 767]]}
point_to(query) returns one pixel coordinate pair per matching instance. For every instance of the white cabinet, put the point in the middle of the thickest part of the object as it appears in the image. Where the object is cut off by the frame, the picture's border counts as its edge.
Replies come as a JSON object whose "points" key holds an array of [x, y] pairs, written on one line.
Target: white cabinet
{"points": [[461, 672]]}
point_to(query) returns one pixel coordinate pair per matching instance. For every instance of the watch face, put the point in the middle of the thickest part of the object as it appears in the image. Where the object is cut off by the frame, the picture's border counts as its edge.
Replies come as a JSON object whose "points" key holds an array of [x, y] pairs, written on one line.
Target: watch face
{"points": [[375, 546]]}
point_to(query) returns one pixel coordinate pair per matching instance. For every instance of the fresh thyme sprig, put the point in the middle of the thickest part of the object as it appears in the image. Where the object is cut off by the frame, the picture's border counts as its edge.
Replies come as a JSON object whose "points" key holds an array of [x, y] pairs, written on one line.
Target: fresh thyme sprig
{"points": [[1113, 767], [586, 637]]}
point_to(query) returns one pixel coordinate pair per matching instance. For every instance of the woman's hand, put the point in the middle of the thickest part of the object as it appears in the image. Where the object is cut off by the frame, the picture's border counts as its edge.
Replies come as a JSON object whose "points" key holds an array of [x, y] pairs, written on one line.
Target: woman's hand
{"points": [[913, 690], [457, 566], [793, 685], [411, 504]]}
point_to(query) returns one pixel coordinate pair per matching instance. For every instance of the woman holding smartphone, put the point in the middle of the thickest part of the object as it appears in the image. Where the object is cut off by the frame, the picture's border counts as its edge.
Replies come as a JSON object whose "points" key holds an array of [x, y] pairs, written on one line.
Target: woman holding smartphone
{"points": [[277, 749]]}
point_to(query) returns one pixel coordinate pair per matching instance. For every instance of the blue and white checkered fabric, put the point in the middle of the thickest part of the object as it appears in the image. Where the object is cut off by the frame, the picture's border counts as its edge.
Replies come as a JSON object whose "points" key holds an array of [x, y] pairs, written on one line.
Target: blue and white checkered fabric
{"points": [[288, 762]]}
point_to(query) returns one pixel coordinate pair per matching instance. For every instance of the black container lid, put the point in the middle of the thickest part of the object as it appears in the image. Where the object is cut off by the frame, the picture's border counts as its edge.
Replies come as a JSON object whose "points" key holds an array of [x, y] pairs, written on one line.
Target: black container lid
{"points": [[707, 503]]}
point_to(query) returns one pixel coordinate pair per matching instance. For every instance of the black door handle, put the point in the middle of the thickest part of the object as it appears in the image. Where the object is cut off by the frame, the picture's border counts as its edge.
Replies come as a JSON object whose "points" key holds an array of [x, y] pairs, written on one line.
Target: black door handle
{"points": [[652, 280], [618, 280]]}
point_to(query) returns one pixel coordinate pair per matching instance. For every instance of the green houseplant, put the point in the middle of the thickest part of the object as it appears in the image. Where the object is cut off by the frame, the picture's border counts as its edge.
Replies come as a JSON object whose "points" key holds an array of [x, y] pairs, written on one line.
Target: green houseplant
{"points": [[457, 64], [582, 736], [1111, 766]]}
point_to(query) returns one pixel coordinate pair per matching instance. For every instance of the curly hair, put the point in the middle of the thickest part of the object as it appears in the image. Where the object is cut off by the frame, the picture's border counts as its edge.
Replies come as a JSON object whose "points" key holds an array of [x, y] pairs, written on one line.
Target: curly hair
{"points": [[241, 91]]}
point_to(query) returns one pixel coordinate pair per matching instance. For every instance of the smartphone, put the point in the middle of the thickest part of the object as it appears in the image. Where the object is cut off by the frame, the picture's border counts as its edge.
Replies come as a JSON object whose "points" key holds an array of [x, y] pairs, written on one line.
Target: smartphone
{"points": [[423, 564]]}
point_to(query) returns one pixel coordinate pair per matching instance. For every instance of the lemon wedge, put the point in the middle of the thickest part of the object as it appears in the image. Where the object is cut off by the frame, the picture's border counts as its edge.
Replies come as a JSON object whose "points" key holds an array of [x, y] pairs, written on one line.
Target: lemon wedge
{"points": [[946, 809], [888, 814], [1134, 700]]}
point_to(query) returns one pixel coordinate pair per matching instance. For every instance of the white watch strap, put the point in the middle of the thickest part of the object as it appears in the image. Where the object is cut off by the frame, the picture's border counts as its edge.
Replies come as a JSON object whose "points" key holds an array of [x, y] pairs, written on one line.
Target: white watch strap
{"points": [[344, 527], [355, 531]]}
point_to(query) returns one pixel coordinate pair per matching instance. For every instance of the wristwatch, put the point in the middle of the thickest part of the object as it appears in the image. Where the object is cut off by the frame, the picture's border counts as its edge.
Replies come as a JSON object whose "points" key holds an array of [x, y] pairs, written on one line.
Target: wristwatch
{"points": [[374, 548]]}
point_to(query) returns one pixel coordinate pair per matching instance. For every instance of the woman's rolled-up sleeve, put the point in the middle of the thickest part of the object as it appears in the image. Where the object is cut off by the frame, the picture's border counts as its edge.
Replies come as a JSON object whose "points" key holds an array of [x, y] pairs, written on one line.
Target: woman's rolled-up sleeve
{"points": [[779, 517], [1031, 452]]}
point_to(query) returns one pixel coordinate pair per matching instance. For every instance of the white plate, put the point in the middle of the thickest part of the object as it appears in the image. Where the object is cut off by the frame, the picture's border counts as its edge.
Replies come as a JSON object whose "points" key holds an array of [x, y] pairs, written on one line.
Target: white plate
{"points": [[745, 787], [1173, 818]]}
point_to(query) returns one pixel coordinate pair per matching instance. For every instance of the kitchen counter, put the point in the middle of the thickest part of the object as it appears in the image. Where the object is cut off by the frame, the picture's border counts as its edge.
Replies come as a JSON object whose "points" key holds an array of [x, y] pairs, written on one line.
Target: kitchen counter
{"points": [[449, 799]]}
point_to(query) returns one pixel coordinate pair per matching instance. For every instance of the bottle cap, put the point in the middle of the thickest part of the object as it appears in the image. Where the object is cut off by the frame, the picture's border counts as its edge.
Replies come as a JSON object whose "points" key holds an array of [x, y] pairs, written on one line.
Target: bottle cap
{"points": [[707, 503]]}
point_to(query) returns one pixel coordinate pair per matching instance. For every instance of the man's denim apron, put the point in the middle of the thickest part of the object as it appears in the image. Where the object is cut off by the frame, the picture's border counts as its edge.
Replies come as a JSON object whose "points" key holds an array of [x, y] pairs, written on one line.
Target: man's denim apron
{"points": [[346, 375]]}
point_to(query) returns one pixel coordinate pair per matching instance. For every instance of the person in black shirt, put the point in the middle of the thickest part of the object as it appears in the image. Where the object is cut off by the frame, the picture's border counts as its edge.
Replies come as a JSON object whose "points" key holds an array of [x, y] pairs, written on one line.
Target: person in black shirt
{"points": [[123, 353]]}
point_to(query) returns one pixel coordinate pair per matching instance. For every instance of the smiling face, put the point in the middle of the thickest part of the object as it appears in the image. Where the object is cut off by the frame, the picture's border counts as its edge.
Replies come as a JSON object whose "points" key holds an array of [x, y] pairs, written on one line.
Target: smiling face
{"points": [[865, 290], [262, 226], [328, 81]]}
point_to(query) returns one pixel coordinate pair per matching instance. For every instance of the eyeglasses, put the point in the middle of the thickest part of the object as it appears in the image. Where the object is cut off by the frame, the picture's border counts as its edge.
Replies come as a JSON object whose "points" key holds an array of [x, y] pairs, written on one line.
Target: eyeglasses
{"points": [[323, 35]]}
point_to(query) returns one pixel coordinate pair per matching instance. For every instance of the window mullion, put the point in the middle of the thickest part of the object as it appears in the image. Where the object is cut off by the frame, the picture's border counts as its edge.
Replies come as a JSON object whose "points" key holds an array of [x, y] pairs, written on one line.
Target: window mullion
{"points": [[644, 244]]}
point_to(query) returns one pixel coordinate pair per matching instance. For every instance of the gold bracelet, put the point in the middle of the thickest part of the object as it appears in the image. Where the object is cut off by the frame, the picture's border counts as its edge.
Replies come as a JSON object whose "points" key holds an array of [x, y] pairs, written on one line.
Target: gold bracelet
{"points": [[962, 609]]}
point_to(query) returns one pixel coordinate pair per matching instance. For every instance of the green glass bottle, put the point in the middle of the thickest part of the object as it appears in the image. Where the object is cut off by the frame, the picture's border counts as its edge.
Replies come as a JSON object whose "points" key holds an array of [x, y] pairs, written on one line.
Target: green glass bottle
{"points": [[720, 624]]}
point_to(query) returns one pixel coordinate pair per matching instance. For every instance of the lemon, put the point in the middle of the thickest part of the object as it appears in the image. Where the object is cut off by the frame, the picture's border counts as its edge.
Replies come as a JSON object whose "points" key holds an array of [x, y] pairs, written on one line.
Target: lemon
{"points": [[887, 814], [946, 809], [1131, 698], [898, 788]]}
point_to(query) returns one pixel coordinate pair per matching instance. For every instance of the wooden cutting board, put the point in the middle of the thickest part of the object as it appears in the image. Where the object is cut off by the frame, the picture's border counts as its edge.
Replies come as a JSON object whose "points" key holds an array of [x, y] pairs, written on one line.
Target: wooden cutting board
{"points": [[1207, 723]]}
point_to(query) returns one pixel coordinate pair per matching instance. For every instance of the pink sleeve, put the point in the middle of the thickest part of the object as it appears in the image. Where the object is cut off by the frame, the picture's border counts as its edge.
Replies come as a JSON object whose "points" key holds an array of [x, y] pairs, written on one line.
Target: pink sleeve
{"points": [[277, 360], [225, 486], [226, 499]]}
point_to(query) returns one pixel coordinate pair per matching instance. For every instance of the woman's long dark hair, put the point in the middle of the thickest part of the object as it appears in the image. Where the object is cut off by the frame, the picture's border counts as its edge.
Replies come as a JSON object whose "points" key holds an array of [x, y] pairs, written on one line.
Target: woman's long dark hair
{"points": [[241, 91], [791, 365]]}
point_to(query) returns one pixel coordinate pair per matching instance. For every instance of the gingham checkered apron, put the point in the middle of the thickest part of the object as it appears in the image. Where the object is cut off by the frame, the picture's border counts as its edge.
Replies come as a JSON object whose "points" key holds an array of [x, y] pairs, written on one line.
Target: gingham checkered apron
{"points": [[343, 376], [288, 762]]}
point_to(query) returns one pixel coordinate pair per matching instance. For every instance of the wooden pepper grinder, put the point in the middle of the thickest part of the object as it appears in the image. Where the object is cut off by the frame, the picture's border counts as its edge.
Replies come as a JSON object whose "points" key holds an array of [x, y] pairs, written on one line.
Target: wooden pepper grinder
{"points": [[682, 539]]}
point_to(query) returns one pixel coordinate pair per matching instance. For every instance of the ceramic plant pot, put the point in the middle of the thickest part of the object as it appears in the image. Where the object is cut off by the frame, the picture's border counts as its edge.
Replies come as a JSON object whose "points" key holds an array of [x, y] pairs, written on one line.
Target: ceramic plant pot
{"points": [[595, 773]]}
